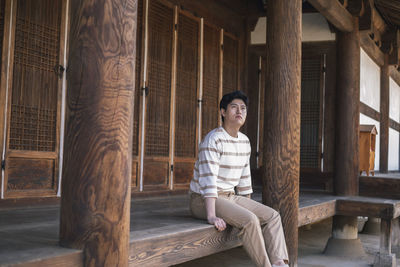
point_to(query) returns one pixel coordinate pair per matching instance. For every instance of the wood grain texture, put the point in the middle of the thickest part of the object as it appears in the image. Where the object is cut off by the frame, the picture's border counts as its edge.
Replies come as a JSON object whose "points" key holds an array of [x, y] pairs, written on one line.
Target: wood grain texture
{"points": [[335, 13], [281, 148], [317, 212], [166, 250], [95, 200], [348, 109], [380, 187], [384, 119]]}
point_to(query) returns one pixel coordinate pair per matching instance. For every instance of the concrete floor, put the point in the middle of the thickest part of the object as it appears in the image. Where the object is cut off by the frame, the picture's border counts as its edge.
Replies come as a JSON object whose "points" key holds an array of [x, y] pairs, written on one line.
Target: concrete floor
{"points": [[312, 241]]}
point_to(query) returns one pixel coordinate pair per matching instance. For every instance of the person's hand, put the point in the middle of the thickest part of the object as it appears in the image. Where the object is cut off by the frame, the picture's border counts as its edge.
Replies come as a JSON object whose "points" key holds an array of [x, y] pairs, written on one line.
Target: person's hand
{"points": [[217, 222]]}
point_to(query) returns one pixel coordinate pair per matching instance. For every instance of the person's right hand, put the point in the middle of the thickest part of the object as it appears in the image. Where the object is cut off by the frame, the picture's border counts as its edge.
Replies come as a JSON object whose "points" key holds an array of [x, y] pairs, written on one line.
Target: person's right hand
{"points": [[217, 222]]}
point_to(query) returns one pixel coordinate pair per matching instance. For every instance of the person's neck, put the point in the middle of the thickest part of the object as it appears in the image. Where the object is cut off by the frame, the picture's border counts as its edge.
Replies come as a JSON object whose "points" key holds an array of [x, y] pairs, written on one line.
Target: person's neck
{"points": [[231, 130]]}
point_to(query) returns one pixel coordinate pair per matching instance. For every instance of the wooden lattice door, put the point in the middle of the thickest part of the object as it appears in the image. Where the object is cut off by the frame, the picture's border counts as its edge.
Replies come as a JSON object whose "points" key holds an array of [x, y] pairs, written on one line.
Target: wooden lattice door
{"points": [[34, 98], [185, 145], [311, 113], [230, 65], [156, 163], [211, 76]]}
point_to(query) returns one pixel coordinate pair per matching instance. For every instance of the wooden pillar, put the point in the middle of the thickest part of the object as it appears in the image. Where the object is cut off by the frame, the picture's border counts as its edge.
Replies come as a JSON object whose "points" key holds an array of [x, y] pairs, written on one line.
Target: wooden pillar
{"points": [[344, 240], [384, 123], [281, 161], [385, 257], [348, 112], [95, 202]]}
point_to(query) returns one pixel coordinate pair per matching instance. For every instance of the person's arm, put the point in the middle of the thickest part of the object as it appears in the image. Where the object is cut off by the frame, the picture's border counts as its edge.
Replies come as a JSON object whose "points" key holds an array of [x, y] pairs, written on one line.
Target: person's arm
{"points": [[211, 217]]}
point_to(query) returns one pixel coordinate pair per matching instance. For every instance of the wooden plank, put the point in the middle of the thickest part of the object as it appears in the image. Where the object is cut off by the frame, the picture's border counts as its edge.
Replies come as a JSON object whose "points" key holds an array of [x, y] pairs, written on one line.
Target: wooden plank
{"points": [[347, 96], [370, 207], [98, 146], [335, 13], [384, 118], [314, 213], [174, 248], [71, 259], [382, 187], [282, 133]]}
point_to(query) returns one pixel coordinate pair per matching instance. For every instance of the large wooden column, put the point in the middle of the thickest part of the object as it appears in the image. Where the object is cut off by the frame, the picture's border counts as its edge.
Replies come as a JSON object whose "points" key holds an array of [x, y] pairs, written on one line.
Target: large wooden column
{"points": [[344, 240], [348, 112], [384, 124], [281, 159], [95, 203]]}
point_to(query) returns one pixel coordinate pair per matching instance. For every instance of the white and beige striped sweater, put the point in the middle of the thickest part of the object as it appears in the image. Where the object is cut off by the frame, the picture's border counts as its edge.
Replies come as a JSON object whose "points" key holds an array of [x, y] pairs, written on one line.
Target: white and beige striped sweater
{"points": [[222, 165]]}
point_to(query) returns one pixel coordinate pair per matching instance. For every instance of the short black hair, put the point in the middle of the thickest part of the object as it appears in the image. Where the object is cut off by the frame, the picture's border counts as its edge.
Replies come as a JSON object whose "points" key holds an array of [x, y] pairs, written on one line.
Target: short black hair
{"points": [[228, 98]]}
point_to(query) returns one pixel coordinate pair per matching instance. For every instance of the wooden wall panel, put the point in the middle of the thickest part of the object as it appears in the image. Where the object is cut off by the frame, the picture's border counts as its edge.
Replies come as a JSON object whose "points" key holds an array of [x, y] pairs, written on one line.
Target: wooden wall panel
{"points": [[210, 109], [230, 65], [183, 173], [156, 174], [29, 174]]}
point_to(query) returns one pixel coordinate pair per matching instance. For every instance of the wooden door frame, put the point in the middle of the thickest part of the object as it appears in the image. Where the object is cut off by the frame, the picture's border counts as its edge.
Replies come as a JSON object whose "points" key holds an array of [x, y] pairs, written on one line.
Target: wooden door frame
{"points": [[6, 72]]}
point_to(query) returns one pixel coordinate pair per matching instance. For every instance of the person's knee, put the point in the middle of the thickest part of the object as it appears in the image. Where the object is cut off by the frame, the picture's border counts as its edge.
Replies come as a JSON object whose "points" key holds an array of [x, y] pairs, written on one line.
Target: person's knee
{"points": [[252, 219]]}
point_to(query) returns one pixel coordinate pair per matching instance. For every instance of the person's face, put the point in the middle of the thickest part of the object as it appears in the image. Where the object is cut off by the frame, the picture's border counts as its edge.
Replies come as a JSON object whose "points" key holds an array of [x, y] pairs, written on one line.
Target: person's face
{"points": [[235, 113]]}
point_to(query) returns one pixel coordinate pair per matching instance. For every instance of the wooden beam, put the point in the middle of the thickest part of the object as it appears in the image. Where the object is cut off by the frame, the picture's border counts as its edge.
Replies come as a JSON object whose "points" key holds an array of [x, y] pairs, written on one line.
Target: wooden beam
{"points": [[394, 74], [369, 112], [394, 125], [373, 51], [384, 120], [371, 22], [335, 13], [95, 203], [391, 45], [282, 133]]}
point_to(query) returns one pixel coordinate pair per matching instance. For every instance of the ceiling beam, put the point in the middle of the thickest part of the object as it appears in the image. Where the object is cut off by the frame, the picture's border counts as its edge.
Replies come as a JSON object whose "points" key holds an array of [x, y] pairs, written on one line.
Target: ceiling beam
{"points": [[371, 22], [391, 45], [335, 13], [370, 47]]}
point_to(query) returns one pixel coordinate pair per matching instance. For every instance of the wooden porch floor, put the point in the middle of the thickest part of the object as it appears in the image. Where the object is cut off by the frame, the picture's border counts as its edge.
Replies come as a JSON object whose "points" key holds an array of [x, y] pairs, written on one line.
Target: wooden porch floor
{"points": [[31, 234]]}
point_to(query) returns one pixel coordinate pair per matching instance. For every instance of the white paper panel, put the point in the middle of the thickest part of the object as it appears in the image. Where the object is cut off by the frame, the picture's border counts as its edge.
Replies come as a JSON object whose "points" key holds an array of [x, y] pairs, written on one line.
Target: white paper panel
{"points": [[370, 82], [393, 160], [394, 101], [367, 120]]}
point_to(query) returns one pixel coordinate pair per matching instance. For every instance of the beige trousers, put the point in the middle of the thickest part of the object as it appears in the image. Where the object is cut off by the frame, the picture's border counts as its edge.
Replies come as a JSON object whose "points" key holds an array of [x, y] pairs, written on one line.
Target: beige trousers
{"points": [[261, 227]]}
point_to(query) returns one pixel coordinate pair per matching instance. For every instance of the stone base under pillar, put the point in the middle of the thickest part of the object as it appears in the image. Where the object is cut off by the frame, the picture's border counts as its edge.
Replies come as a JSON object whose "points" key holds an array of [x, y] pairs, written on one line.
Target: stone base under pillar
{"points": [[385, 260], [348, 248]]}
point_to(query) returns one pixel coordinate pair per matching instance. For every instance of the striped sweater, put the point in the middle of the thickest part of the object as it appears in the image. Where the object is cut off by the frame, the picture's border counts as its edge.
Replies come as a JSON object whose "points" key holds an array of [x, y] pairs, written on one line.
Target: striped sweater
{"points": [[222, 165]]}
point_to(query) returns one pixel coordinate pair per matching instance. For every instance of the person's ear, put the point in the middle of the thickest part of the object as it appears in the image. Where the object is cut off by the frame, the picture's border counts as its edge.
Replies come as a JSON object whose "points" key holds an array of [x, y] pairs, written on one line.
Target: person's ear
{"points": [[223, 112]]}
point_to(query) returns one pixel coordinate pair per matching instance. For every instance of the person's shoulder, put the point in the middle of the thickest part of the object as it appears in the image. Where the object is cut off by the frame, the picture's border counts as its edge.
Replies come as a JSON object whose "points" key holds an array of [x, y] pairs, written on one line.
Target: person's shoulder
{"points": [[213, 136], [243, 137]]}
